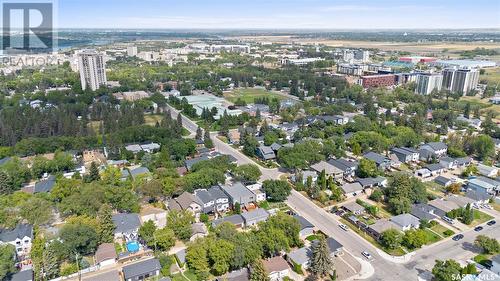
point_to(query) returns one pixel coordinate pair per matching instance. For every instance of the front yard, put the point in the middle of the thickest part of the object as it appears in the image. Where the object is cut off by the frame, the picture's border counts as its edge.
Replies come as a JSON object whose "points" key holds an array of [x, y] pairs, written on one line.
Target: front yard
{"points": [[480, 217]]}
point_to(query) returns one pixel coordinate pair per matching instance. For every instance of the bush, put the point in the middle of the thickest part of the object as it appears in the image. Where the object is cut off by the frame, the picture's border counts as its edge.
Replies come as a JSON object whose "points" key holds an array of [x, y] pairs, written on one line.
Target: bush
{"points": [[448, 232], [297, 268]]}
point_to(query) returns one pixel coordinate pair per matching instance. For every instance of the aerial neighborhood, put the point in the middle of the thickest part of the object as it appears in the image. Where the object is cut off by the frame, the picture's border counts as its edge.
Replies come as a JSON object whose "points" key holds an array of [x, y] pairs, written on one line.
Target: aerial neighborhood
{"points": [[232, 158]]}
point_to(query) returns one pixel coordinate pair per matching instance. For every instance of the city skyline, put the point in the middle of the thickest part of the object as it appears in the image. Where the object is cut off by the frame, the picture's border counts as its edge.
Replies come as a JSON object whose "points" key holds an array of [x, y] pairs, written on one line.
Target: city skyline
{"points": [[296, 14]]}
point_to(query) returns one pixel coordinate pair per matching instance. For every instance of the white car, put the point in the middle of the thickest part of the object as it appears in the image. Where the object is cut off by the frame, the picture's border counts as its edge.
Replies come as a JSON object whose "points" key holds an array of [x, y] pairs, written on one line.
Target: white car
{"points": [[367, 255], [343, 226]]}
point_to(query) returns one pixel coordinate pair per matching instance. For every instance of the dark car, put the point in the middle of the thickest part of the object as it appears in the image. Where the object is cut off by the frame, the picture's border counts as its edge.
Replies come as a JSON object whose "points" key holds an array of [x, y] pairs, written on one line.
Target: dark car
{"points": [[490, 223], [478, 228], [457, 237]]}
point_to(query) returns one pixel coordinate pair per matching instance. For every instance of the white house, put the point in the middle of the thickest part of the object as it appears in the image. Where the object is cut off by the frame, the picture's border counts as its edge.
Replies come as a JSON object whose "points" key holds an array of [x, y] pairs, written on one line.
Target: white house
{"points": [[156, 215], [276, 268], [20, 237], [256, 189]]}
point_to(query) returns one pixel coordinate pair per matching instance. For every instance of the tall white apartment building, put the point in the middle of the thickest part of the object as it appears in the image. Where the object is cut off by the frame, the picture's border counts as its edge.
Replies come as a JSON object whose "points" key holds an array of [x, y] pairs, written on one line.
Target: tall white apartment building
{"points": [[131, 51], [361, 55], [460, 80], [92, 69], [427, 82]]}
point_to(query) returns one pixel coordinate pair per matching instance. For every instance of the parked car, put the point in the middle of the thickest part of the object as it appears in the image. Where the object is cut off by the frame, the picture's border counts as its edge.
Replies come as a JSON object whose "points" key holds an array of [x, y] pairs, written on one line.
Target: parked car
{"points": [[448, 220], [490, 223], [344, 227], [478, 228], [457, 237], [367, 255]]}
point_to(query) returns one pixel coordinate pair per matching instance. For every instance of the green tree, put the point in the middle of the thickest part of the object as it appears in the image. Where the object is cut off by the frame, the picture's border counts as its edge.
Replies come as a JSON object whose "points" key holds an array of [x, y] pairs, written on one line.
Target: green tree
{"points": [[448, 270], [7, 262], [147, 231], [6, 183], [257, 272], [484, 147], [197, 259], [220, 254], [79, 238], [489, 245], [180, 222], [415, 238], [391, 239], [208, 141], [321, 262], [277, 190], [93, 173], [367, 168], [247, 172], [106, 226], [164, 238], [36, 211]]}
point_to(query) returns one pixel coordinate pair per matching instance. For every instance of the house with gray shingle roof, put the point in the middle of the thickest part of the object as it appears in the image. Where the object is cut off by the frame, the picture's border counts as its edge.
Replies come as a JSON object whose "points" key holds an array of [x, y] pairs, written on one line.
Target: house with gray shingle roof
{"points": [[381, 161], [265, 152], [126, 225], [254, 217], [20, 237], [306, 228], [142, 270], [45, 185], [236, 220], [406, 222], [238, 193], [406, 154]]}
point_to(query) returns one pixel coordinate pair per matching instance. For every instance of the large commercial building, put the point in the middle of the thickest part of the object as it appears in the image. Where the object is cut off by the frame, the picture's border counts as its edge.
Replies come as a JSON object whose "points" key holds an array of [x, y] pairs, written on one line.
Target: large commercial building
{"points": [[230, 48], [371, 81], [92, 69], [460, 80], [132, 51], [427, 82]]}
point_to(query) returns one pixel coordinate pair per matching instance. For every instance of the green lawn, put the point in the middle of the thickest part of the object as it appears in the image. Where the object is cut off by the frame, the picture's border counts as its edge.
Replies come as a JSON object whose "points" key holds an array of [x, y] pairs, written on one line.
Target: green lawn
{"points": [[482, 259], [480, 217], [312, 237], [249, 94], [441, 229], [432, 237], [492, 76], [189, 274]]}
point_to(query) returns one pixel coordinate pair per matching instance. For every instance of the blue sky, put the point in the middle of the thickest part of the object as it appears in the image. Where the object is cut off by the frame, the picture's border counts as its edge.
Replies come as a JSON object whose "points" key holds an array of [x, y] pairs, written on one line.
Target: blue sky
{"points": [[278, 14]]}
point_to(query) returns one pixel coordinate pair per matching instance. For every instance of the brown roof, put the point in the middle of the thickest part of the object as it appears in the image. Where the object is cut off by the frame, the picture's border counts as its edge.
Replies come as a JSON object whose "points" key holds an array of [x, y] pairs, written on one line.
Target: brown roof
{"points": [[104, 252], [185, 200], [275, 264]]}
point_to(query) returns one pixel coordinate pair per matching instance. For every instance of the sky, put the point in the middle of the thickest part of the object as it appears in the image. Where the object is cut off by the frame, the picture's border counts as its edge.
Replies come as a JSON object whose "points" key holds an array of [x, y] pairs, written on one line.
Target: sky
{"points": [[279, 14]]}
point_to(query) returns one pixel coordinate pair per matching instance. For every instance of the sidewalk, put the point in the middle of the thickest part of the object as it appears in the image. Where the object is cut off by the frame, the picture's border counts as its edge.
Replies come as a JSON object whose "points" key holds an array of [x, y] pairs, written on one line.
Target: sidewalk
{"points": [[366, 271]]}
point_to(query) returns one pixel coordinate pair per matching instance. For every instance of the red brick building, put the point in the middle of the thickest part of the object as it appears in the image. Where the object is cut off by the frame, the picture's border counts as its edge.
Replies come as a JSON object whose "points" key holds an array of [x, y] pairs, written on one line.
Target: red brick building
{"points": [[383, 80]]}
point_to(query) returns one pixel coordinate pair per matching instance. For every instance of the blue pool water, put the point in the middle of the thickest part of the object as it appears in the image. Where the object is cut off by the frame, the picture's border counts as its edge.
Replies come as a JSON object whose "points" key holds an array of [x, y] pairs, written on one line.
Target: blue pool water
{"points": [[133, 246]]}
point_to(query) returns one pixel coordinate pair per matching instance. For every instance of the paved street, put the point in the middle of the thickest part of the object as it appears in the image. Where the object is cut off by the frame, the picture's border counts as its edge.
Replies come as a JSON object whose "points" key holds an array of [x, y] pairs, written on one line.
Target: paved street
{"points": [[385, 269]]}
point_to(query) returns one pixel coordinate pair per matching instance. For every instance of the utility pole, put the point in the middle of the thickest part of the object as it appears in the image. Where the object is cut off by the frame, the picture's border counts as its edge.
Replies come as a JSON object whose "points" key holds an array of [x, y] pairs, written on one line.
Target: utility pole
{"points": [[78, 267]]}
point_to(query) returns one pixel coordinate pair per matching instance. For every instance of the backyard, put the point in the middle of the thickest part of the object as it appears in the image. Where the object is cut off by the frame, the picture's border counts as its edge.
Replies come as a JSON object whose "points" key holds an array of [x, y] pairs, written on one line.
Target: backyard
{"points": [[249, 94]]}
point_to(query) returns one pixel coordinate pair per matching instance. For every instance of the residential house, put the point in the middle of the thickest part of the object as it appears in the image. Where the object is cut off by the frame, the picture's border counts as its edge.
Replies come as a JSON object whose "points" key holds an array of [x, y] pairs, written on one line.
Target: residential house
{"points": [[105, 254], [198, 230], [372, 182], [142, 270], [329, 169], [306, 228], [406, 154], [276, 268], [254, 217], [354, 208], [443, 181], [126, 226], [139, 171], [235, 275], [190, 162], [448, 163], [186, 201], [257, 190], [236, 220], [20, 237], [301, 256], [305, 175], [347, 167], [381, 161], [406, 222], [157, 215], [45, 185], [484, 184], [463, 162], [238, 193], [265, 153], [376, 229], [432, 149], [423, 173], [435, 169], [275, 147], [426, 211], [208, 202], [479, 197], [108, 275], [351, 189], [23, 275], [487, 171]]}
